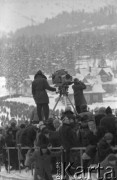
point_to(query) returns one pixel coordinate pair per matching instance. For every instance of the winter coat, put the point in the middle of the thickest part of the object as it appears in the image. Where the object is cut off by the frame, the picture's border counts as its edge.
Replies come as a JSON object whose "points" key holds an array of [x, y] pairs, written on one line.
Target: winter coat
{"points": [[108, 122], [28, 136], [104, 149], [9, 140], [67, 136], [78, 94], [89, 115], [105, 163], [39, 87], [55, 138], [18, 136], [98, 118], [42, 163], [2, 143], [82, 138]]}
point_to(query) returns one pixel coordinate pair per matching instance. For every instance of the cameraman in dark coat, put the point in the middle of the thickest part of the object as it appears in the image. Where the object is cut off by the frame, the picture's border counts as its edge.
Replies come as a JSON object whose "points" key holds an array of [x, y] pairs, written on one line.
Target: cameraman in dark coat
{"points": [[39, 87], [79, 98]]}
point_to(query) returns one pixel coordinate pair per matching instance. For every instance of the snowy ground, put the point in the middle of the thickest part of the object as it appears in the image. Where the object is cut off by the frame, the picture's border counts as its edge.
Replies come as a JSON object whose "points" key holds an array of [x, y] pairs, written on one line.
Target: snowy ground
{"points": [[30, 101], [16, 175], [108, 101]]}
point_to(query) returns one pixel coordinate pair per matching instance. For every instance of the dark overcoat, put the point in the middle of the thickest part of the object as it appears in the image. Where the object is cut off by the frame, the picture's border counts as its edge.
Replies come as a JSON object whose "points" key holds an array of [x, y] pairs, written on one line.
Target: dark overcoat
{"points": [[42, 164], [104, 149], [67, 136], [105, 164], [39, 87], [78, 94], [108, 122]]}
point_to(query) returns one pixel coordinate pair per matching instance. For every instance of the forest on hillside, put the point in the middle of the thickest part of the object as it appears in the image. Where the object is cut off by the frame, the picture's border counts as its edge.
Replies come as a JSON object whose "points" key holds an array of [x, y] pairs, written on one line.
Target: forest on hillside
{"points": [[22, 55]]}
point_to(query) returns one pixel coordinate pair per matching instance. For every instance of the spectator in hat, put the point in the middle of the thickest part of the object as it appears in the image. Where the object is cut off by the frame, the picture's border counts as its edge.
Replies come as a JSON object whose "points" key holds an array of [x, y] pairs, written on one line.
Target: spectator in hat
{"points": [[42, 159], [108, 122], [2, 150], [49, 124], [14, 130], [109, 161], [57, 124], [19, 132], [85, 111], [99, 114], [79, 98], [39, 87], [67, 134], [82, 132], [10, 142], [94, 135], [105, 146]]}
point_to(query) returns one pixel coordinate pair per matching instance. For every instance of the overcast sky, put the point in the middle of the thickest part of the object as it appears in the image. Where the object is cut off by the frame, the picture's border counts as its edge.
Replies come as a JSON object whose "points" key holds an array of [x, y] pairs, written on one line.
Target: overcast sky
{"points": [[15, 14]]}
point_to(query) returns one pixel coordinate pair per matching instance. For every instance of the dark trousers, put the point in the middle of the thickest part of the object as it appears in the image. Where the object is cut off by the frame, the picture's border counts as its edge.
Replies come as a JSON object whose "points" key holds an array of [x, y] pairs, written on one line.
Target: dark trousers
{"points": [[14, 158], [43, 109]]}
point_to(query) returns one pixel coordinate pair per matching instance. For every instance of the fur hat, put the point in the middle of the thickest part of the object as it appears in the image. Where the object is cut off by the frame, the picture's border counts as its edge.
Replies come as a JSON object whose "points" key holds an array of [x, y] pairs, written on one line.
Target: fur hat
{"points": [[22, 125], [69, 113], [102, 110], [108, 110], [76, 79], [45, 131], [108, 136]]}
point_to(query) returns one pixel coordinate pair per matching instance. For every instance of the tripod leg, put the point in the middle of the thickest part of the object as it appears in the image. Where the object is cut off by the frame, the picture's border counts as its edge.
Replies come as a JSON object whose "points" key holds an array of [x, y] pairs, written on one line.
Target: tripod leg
{"points": [[56, 103], [72, 104]]}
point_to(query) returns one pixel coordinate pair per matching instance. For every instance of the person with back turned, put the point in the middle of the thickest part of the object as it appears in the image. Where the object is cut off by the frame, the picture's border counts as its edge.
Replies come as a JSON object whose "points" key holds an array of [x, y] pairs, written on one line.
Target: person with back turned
{"points": [[39, 87], [79, 98]]}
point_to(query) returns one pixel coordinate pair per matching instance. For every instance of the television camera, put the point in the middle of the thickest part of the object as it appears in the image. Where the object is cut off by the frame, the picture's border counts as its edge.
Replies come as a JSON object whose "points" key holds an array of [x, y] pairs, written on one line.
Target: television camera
{"points": [[62, 79]]}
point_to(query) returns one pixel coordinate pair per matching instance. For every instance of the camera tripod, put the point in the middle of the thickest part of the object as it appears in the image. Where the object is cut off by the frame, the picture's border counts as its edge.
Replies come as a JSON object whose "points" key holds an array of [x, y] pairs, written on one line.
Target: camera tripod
{"points": [[64, 93]]}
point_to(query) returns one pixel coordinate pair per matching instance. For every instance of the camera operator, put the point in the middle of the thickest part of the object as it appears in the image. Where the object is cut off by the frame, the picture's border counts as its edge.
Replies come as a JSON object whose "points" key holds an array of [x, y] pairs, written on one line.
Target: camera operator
{"points": [[79, 98], [39, 87]]}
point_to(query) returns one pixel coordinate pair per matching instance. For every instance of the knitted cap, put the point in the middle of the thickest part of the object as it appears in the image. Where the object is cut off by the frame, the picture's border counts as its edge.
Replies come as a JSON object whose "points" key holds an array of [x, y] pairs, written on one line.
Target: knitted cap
{"points": [[108, 136], [102, 110]]}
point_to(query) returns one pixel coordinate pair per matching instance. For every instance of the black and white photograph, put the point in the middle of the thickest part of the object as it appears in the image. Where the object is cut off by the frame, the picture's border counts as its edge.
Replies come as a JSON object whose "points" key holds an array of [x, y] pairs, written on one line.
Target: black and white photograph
{"points": [[58, 89]]}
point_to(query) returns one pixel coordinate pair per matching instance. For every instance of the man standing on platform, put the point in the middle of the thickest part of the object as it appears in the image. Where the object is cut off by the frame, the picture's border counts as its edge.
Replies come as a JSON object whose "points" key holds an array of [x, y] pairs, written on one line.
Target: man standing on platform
{"points": [[39, 87]]}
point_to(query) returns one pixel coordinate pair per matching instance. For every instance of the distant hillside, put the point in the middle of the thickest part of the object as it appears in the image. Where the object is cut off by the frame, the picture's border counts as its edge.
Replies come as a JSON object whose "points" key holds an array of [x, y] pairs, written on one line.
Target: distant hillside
{"points": [[73, 22]]}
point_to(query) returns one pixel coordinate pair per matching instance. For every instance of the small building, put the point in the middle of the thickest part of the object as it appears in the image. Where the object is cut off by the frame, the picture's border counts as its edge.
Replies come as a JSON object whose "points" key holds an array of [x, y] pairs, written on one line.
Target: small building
{"points": [[110, 86], [95, 95], [92, 95], [106, 74]]}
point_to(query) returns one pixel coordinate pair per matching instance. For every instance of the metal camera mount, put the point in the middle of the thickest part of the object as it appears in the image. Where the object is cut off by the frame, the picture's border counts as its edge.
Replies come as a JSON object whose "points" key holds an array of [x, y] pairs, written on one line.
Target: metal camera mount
{"points": [[63, 92]]}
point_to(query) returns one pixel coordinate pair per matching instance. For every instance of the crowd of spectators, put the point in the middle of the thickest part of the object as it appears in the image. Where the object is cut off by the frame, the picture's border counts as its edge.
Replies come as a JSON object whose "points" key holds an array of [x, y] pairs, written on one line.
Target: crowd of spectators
{"points": [[21, 112], [18, 111], [97, 132]]}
